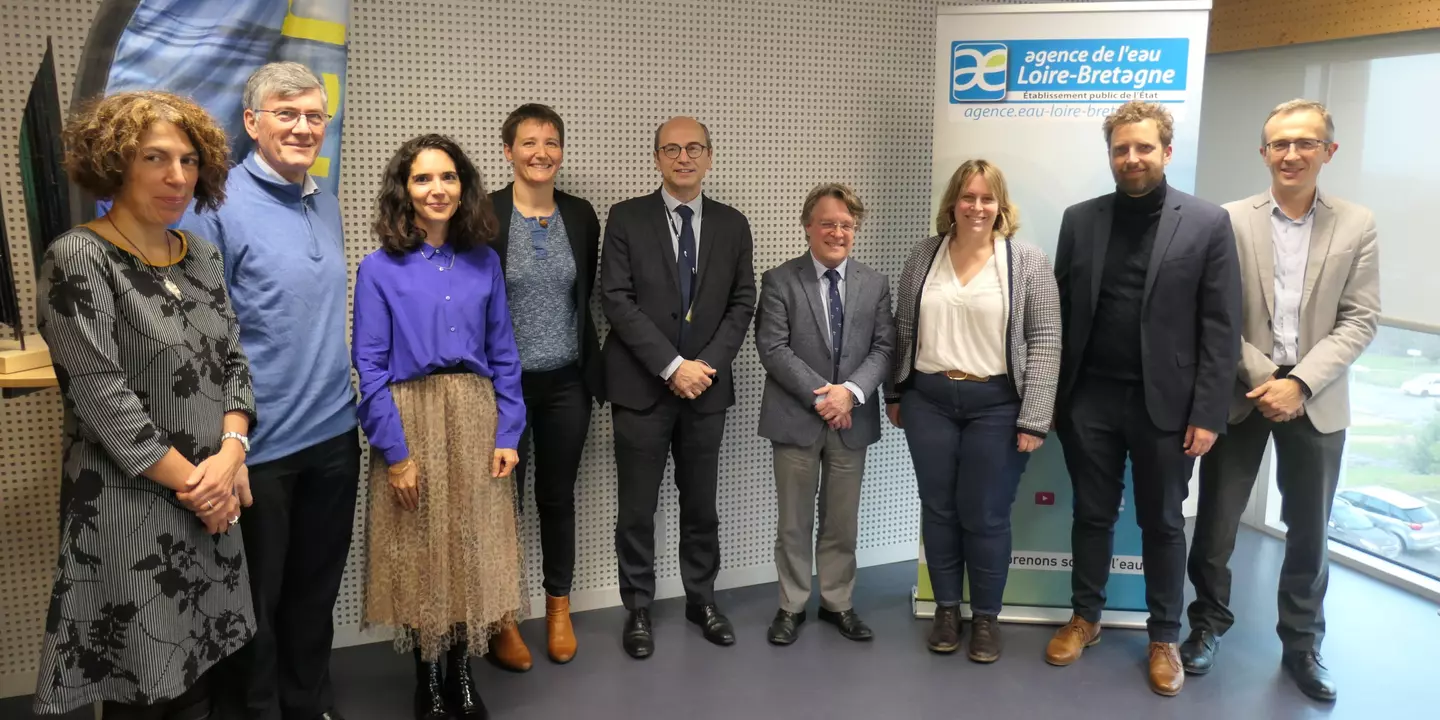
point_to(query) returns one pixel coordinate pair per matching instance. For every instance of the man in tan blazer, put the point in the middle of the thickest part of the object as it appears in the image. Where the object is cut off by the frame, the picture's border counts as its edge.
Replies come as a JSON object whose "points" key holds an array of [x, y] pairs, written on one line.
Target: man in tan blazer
{"points": [[1311, 279]]}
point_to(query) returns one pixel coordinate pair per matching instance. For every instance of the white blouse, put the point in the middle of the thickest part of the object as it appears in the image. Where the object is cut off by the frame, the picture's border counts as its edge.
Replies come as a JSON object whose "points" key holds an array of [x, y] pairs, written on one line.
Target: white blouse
{"points": [[962, 326]]}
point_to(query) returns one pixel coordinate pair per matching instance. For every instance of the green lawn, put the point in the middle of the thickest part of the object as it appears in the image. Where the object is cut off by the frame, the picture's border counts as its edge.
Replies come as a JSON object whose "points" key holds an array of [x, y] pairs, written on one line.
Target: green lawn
{"points": [[1402, 430], [1408, 483], [1392, 370]]}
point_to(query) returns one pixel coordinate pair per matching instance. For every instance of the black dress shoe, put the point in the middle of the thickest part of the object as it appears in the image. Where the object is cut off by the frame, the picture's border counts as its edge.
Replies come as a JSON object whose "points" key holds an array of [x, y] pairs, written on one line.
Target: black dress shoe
{"points": [[1197, 653], [716, 626], [429, 693], [984, 638], [785, 627], [639, 643], [850, 624], [329, 715], [1310, 675], [944, 630]]}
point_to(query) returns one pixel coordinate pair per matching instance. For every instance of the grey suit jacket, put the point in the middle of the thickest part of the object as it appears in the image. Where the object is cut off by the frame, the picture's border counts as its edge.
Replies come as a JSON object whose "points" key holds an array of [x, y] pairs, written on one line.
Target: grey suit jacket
{"points": [[1339, 307], [793, 338]]}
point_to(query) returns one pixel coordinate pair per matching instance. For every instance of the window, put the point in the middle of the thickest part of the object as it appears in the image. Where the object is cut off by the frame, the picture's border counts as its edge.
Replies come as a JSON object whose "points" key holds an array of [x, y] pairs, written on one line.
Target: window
{"points": [[1390, 473], [1391, 468]]}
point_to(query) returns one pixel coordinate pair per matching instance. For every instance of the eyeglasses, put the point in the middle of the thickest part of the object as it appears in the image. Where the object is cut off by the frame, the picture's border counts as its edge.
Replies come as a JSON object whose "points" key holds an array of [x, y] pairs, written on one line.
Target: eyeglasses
{"points": [[694, 150], [1304, 145], [828, 226], [290, 117]]}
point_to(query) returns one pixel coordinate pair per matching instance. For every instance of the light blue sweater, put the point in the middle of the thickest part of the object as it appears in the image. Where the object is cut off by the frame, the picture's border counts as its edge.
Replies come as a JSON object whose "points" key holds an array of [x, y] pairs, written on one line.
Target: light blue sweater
{"points": [[288, 280]]}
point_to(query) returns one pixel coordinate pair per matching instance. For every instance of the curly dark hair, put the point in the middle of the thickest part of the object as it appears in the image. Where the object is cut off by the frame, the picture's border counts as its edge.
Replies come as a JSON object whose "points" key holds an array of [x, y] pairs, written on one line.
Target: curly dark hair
{"points": [[101, 140], [474, 222]]}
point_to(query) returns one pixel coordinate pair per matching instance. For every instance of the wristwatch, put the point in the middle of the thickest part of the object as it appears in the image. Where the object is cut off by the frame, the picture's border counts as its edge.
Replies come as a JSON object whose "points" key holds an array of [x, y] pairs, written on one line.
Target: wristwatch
{"points": [[244, 441]]}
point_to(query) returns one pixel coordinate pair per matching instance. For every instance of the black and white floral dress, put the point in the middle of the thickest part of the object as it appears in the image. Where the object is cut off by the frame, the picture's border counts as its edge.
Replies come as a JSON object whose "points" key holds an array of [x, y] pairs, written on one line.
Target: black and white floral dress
{"points": [[145, 600]]}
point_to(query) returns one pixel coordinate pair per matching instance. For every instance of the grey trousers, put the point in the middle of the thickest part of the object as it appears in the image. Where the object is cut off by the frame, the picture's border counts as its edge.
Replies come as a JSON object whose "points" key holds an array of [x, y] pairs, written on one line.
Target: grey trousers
{"points": [[1307, 472], [832, 472]]}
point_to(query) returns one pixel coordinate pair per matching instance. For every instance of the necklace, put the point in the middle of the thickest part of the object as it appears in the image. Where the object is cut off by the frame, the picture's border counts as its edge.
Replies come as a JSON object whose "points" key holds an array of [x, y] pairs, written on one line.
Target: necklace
{"points": [[543, 219], [431, 259], [165, 280]]}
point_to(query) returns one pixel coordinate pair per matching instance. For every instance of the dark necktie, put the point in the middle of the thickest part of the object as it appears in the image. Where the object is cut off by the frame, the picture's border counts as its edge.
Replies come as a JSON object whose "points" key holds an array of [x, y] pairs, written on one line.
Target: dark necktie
{"points": [[685, 266], [837, 321]]}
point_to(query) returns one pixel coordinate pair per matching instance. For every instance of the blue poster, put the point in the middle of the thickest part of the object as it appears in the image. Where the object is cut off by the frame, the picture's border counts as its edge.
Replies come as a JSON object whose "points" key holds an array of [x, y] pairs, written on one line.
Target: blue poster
{"points": [[206, 49]]}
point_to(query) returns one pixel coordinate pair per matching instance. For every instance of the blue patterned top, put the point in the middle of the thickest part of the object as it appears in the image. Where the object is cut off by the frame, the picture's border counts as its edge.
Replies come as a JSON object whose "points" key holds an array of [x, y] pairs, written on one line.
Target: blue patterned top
{"points": [[540, 282]]}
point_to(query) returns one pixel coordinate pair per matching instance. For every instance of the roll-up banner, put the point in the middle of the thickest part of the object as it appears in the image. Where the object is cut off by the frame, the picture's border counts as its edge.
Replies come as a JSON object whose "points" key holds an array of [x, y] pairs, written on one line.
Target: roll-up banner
{"points": [[1028, 87]]}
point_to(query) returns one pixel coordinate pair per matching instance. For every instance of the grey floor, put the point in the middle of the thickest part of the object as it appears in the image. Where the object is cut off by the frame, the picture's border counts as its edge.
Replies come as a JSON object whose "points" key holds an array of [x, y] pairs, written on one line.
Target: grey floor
{"points": [[1383, 647]]}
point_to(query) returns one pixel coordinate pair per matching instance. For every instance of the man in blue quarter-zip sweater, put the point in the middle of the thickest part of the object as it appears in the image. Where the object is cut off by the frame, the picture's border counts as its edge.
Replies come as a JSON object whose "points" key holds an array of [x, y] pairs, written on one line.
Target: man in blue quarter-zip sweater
{"points": [[285, 266]]}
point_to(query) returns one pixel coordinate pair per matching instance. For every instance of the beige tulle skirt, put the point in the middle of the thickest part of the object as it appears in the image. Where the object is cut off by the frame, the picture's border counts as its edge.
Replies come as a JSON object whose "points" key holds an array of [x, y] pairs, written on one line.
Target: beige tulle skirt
{"points": [[451, 570]]}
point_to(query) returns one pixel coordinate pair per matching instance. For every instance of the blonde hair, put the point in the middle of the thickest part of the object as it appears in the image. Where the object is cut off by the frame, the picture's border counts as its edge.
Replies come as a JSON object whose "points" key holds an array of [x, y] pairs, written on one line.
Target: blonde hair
{"points": [[1301, 105], [843, 193], [1007, 221], [1136, 111]]}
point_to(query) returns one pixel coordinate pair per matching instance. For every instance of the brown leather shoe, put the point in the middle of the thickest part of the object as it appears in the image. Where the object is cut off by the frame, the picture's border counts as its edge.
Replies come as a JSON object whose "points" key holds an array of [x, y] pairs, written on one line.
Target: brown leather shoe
{"points": [[508, 649], [558, 631], [1167, 674], [1069, 641]]}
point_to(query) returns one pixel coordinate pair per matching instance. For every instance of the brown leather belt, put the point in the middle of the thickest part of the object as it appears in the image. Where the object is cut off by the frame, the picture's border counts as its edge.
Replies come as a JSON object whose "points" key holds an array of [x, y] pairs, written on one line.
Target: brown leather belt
{"points": [[962, 375]]}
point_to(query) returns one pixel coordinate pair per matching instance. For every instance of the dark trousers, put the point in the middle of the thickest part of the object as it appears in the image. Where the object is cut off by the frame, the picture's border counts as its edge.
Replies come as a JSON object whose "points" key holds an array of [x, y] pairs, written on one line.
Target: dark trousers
{"points": [[557, 415], [643, 441], [962, 439], [1104, 422], [297, 536], [193, 704], [1307, 471]]}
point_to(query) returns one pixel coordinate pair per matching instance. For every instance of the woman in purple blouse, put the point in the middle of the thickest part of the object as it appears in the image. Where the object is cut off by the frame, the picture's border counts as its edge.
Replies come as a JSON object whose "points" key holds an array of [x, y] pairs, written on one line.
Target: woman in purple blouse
{"points": [[440, 401]]}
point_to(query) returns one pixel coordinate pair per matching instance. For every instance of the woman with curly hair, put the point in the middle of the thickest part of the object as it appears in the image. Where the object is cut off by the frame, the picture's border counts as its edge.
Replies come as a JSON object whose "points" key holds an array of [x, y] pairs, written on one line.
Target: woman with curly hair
{"points": [[441, 403], [151, 588]]}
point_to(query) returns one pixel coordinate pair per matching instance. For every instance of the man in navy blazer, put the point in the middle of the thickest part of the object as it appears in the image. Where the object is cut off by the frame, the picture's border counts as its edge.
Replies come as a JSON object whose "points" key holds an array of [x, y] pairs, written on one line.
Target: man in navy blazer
{"points": [[1150, 300], [678, 286]]}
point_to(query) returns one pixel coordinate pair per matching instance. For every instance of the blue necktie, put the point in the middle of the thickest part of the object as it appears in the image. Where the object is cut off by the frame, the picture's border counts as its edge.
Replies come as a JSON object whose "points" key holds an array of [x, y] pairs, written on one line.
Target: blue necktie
{"points": [[837, 321], [685, 266]]}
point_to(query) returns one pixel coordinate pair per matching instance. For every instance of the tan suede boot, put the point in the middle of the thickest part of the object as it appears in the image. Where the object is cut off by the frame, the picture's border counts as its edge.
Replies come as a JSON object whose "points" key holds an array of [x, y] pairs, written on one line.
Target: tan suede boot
{"points": [[509, 649], [558, 629]]}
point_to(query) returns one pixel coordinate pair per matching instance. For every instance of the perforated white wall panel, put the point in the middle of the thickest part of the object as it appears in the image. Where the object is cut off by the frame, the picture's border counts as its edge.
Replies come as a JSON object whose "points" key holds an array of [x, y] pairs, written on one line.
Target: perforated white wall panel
{"points": [[29, 426], [795, 93]]}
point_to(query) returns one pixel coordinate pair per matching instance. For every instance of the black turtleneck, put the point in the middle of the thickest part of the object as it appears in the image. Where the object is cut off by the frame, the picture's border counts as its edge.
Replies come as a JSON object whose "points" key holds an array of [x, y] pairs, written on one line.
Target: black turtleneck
{"points": [[1114, 348]]}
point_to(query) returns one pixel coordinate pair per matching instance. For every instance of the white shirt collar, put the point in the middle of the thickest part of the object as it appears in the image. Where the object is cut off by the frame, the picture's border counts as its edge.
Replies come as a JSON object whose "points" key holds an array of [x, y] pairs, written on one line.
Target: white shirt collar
{"points": [[672, 202], [820, 267], [1304, 218], [310, 187]]}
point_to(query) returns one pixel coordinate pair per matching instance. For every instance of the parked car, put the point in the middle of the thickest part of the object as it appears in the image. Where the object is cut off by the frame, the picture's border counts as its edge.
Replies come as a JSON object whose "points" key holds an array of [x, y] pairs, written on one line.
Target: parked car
{"points": [[1354, 528], [1401, 515], [1427, 385]]}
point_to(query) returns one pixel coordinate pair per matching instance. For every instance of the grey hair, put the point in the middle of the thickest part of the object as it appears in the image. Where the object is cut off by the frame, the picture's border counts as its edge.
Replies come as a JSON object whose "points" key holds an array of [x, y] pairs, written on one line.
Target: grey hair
{"points": [[283, 80], [1301, 105]]}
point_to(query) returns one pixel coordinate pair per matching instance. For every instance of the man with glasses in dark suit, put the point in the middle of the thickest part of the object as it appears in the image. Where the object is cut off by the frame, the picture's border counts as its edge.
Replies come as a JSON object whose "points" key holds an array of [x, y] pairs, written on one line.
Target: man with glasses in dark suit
{"points": [[678, 287]]}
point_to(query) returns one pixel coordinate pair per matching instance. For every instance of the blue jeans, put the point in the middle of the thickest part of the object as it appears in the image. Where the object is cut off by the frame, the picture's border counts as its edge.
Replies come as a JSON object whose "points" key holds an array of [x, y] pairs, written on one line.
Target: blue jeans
{"points": [[962, 439]]}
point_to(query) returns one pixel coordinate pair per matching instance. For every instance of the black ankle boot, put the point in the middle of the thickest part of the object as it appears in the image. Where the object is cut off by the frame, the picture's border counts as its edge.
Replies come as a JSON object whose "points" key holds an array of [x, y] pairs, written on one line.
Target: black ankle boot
{"points": [[429, 693], [460, 685]]}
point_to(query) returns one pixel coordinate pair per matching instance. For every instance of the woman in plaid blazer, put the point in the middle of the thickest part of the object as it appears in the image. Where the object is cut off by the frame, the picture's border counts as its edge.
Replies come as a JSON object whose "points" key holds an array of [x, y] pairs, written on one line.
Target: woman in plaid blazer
{"points": [[973, 384]]}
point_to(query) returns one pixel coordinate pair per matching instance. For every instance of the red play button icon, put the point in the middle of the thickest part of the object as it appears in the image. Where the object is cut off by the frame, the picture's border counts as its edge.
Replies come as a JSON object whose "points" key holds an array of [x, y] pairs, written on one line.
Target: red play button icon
{"points": [[1044, 498]]}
